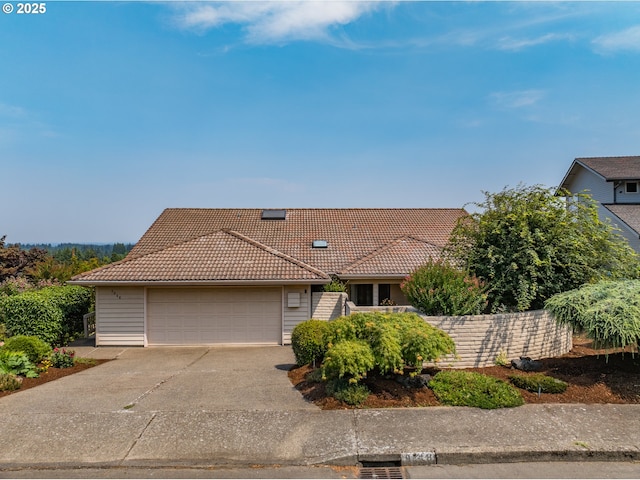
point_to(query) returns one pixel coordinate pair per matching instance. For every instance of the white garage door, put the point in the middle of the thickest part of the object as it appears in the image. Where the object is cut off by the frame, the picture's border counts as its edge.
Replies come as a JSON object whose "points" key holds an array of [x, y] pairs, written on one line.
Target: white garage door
{"points": [[206, 316]]}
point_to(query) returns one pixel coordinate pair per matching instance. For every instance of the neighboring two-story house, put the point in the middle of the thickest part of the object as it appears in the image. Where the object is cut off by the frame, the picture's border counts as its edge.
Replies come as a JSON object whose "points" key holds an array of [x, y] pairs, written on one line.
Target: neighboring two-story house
{"points": [[614, 182]]}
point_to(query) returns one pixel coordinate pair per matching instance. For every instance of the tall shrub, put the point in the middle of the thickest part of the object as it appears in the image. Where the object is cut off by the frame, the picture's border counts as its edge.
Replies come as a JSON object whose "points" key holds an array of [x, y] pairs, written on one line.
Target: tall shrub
{"points": [[437, 288], [32, 314], [529, 243], [52, 314]]}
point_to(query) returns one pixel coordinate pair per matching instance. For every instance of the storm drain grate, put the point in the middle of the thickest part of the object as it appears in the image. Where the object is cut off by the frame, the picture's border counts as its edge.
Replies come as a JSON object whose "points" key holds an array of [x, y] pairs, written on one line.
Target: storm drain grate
{"points": [[381, 472]]}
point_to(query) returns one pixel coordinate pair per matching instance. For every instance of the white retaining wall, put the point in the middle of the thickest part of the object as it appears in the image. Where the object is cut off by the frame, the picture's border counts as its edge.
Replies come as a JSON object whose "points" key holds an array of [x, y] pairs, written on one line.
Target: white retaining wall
{"points": [[480, 339]]}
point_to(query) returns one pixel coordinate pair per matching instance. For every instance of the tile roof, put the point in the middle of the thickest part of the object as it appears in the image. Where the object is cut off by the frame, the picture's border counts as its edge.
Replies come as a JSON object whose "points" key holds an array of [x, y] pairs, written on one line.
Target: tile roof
{"points": [[629, 214], [398, 259], [181, 241], [207, 259], [614, 168]]}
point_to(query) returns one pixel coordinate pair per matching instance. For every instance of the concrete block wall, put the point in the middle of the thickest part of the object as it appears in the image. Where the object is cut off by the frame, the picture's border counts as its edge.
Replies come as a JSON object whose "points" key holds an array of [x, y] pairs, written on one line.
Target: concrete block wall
{"points": [[327, 305], [481, 338]]}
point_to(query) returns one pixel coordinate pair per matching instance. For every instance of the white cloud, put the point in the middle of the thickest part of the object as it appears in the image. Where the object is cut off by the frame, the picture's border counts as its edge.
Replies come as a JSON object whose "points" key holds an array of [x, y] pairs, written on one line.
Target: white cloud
{"points": [[274, 22], [514, 44], [12, 111], [626, 40], [517, 99]]}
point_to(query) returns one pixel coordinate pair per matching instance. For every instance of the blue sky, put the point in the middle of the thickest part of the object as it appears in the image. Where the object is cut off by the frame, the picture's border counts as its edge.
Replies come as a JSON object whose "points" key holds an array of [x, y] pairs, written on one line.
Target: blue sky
{"points": [[112, 111]]}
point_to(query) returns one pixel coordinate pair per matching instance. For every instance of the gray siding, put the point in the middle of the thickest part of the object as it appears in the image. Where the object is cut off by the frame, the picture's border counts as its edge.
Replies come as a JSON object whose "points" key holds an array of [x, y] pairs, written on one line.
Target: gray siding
{"points": [[596, 186], [295, 315], [120, 316]]}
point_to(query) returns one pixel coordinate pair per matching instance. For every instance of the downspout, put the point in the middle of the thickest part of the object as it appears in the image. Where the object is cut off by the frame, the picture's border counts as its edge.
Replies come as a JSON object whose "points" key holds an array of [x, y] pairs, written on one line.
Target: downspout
{"points": [[615, 192]]}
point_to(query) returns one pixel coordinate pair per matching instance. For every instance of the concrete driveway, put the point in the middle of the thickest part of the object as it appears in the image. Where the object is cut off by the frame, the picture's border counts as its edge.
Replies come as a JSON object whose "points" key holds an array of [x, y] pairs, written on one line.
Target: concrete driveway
{"points": [[178, 379]]}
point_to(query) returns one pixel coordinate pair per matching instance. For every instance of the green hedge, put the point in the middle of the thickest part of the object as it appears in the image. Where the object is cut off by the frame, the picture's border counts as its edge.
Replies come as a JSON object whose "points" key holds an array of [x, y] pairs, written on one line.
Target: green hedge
{"points": [[351, 346], [53, 314]]}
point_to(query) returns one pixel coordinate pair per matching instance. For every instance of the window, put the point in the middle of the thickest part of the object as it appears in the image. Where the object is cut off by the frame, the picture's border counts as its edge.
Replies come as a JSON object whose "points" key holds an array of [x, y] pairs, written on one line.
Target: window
{"points": [[362, 294], [631, 187], [384, 292]]}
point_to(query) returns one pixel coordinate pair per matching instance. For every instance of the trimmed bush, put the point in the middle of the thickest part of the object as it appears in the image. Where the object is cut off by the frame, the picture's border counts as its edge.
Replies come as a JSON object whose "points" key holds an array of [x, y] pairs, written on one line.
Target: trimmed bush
{"points": [[33, 347], [74, 301], [353, 358], [437, 288], [53, 314], [32, 314], [392, 339], [308, 341], [538, 383], [470, 389]]}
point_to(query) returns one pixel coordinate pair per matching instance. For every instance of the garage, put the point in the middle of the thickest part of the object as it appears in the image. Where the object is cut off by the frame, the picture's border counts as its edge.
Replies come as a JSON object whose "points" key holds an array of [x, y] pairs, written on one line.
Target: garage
{"points": [[214, 316]]}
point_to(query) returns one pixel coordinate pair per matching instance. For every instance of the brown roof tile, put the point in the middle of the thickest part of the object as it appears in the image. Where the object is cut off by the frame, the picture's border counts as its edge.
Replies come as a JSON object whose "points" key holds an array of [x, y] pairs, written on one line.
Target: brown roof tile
{"points": [[220, 256], [180, 240], [397, 259], [629, 214], [614, 168]]}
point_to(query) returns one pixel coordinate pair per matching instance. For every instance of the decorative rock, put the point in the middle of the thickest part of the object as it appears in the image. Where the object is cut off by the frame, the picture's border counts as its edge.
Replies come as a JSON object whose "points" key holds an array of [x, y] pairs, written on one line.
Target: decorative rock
{"points": [[419, 381], [526, 364]]}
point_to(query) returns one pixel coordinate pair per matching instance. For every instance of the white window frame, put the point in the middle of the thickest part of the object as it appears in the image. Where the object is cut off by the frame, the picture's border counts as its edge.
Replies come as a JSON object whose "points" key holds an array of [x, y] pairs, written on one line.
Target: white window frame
{"points": [[626, 188]]}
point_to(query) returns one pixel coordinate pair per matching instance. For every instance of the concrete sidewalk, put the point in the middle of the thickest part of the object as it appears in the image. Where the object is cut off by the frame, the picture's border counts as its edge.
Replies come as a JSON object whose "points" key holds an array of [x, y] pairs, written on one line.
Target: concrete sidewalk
{"points": [[173, 421]]}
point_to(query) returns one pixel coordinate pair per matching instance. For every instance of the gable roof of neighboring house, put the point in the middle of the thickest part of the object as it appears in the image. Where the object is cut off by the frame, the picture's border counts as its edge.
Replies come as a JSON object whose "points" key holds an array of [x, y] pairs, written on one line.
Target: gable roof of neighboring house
{"points": [[628, 213], [609, 168], [237, 245]]}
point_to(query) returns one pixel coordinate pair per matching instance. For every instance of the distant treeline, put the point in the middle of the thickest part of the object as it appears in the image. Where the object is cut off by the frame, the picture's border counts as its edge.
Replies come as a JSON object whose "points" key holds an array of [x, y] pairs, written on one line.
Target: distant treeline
{"points": [[85, 251]]}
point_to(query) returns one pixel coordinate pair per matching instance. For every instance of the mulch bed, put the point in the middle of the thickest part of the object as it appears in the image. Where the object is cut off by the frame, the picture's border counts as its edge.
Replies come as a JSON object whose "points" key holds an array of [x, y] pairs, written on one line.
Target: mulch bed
{"points": [[592, 378], [51, 374]]}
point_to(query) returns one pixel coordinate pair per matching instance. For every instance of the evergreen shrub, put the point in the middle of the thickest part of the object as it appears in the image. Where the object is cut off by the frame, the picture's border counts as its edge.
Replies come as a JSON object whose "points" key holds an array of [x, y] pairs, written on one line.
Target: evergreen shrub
{"points": [[32, 314], [353, 358], [437, 288], [607, 312], [35, 349], [308, 341], [53, 314], [470, 389]]}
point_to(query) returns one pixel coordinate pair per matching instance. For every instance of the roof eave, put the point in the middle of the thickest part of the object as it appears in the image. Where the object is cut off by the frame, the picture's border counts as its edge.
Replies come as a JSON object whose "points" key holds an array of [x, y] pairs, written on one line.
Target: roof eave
{"points": [[373, 276], [199, 283]]}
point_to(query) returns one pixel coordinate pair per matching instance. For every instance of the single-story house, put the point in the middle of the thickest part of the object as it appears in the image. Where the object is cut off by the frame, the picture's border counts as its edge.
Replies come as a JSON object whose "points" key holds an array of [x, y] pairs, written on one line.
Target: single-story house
{"points": [[249, 276]]}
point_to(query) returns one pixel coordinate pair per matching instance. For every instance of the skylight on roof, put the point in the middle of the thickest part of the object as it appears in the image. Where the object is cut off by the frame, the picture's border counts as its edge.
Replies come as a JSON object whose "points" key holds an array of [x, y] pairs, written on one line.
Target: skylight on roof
{"points": [[320, 244], [274, 214]]}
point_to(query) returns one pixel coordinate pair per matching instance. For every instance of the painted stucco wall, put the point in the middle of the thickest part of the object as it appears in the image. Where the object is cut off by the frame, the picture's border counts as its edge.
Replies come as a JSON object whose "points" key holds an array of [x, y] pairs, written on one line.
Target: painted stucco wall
{"points": [[481, 338]]}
